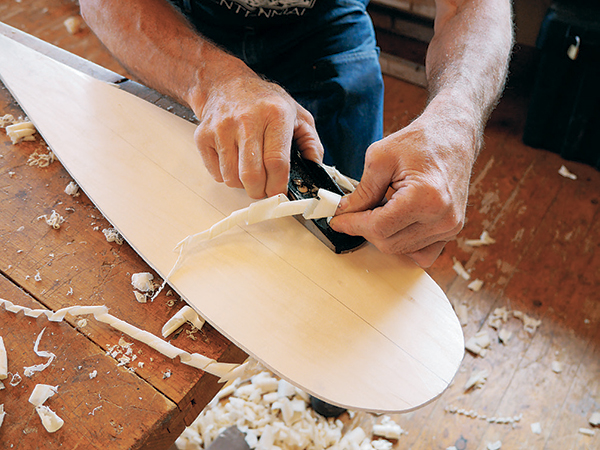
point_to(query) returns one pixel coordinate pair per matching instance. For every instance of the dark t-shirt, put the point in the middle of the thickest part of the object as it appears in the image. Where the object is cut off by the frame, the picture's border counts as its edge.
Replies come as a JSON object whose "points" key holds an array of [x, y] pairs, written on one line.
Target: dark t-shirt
{"points": [[251, 13]]}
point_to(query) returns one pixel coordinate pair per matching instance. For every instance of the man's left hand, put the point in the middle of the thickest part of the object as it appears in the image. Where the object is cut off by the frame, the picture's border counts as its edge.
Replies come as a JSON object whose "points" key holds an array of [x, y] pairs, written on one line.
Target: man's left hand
{"points": [[427, 165]]}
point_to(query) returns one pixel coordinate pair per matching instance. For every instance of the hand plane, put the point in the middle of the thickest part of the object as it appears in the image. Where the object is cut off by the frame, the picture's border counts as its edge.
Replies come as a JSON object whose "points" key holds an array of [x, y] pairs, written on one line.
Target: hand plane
{"points": [[306, 178]]}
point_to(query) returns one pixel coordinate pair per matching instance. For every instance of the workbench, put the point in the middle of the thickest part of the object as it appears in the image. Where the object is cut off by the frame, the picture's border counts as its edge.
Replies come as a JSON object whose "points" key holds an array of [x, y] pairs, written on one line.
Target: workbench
{"points": [[105, 401]]}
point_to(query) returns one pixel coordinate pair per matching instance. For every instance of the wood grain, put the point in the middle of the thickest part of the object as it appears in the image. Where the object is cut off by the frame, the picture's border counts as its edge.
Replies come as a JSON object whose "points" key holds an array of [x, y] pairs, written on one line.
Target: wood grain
{"points": [[140, 165], [76, 265], [513, 189]]}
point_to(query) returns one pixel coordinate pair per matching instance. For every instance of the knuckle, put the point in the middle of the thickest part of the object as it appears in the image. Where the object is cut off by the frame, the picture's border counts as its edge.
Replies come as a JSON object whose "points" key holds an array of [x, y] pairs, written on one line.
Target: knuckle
{"points": [[252, 178], [275, 162], [203, 137], [275, 107]]}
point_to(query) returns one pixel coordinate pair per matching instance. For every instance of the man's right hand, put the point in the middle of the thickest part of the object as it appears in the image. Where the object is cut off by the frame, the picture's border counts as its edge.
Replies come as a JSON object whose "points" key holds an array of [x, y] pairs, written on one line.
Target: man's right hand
{"points": [[246, 129], [246, 123]]}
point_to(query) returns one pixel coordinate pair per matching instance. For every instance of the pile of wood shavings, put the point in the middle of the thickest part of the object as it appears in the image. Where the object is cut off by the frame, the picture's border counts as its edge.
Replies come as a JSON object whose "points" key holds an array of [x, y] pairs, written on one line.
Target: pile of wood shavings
{"points": [[273, 414], [41, 159]]}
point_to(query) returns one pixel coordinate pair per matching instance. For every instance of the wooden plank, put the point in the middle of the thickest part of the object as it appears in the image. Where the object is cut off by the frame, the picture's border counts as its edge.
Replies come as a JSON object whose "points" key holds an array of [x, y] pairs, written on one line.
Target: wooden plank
{"points": [[413, 362], [78, 257], [501, 184], [98, 412]]}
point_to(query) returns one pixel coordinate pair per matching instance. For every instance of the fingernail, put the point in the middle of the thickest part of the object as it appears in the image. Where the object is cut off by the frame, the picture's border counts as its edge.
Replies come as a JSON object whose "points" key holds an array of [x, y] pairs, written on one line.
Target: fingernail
{"points": [[343, 204]]}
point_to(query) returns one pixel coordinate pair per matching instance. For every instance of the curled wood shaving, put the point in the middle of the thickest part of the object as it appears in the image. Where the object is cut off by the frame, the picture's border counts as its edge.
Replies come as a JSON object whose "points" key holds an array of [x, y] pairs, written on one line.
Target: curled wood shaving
{"points": [[143, 281], [29, 371], [40, 159], [494, 445], [2, 414], [472, 414], [479, 343], [504, 335], [55, 220], [185, 314], [346, 183], [6, 119], [15, 379], [388, 429], [223, 370], [112, 235], [277, 206], [21, 131]]}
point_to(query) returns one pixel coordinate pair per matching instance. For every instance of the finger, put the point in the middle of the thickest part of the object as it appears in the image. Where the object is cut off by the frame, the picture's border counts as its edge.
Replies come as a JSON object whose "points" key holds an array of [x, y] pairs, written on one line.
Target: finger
{"points": [[206, 147], [227, 151], [251, 167], [370, 191], [307, 138], [376, 224], [276, 158]]}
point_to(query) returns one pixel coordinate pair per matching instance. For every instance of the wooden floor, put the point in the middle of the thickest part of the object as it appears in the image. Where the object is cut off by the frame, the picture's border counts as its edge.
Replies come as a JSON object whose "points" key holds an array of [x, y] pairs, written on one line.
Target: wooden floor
{"points": [[545, 263]]}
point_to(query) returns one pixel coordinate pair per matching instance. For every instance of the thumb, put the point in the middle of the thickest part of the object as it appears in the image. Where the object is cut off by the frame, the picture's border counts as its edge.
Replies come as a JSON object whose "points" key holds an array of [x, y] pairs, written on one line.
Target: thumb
{"points": [[368, 194]]}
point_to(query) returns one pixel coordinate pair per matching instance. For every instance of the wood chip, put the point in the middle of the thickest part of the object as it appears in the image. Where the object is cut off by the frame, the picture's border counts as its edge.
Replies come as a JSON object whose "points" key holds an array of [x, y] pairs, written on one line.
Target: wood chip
{"points": [[484, 239], [504, 335], [566, 173], [476, 380], [536, 428], [587, 431], [557, 367], [475, 285], [3, 361], [460, 270]]}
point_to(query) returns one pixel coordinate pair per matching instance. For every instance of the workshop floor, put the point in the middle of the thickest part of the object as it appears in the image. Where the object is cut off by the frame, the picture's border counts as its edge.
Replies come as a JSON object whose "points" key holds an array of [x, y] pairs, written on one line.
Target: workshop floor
{"points": [[545, 264]]}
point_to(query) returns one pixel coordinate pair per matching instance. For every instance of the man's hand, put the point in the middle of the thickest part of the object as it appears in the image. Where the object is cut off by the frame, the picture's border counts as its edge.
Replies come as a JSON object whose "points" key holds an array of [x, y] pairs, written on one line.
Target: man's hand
{"points": [[428, 164], [245, 134], [246, 123], [428, 172]]}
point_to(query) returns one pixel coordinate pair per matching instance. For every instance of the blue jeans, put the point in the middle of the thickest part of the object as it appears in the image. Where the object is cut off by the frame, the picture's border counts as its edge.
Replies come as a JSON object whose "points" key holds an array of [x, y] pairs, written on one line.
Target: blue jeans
{"points": [[327, 59]]}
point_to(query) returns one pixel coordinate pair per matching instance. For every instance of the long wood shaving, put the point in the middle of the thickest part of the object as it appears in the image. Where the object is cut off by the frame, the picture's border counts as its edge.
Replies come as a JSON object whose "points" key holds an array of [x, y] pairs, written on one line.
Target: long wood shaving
{"points": [[323, 205], [29, 371], [223, 370]]}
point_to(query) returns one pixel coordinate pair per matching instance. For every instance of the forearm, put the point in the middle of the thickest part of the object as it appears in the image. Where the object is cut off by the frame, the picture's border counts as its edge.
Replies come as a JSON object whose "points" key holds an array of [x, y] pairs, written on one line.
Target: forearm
{"points": [[157, 46], [467, 62]]}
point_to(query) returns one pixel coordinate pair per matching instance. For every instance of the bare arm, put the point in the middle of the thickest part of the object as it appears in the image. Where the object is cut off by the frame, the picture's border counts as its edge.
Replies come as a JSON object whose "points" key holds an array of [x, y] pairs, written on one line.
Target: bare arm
{"points": [[428, 163], [246, 124]]}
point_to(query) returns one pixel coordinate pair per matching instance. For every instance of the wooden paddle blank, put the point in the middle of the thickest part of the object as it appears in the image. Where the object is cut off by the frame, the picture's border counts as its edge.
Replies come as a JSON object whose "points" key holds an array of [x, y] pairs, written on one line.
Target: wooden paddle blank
{"points": [[362, 330]]}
